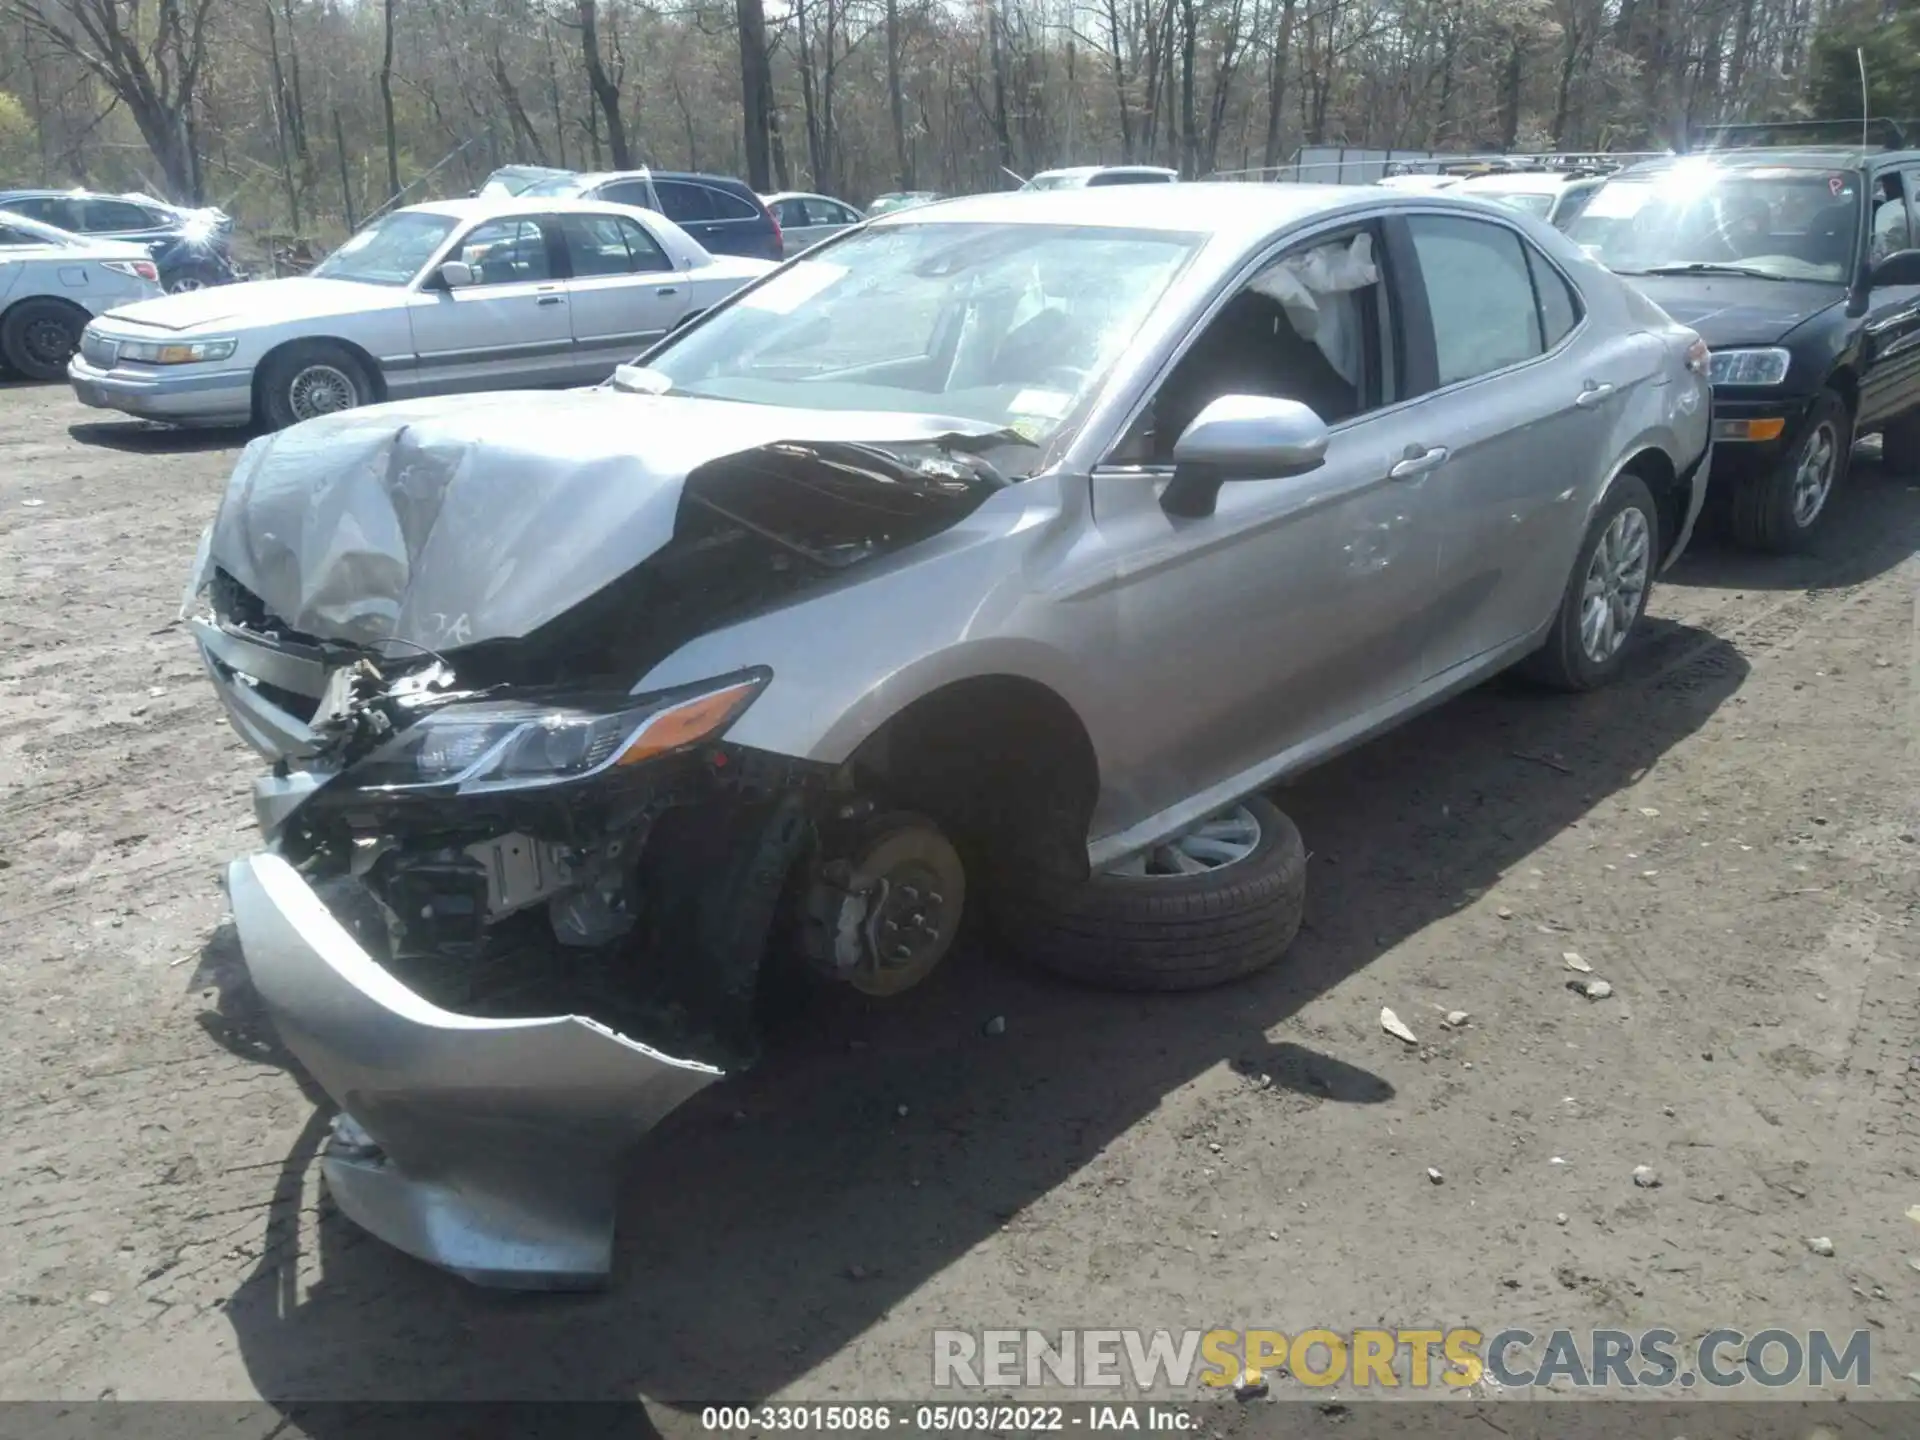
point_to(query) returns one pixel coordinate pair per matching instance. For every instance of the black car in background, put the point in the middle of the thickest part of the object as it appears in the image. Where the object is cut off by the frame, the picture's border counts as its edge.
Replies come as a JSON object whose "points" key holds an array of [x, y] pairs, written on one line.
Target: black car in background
{"points": [[1800, 268], [192, 248], [722, 213]]}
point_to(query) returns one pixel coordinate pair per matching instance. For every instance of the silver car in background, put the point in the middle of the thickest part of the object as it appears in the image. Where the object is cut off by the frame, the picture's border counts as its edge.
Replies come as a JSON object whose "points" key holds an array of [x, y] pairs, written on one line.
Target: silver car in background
{"points": [[805, 219], [1000, 553], [477, 294], [52, 283]]}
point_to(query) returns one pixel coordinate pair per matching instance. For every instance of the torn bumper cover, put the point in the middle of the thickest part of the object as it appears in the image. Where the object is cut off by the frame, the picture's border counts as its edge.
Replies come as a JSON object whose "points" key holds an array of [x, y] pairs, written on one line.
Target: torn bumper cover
{"points": [[484, 1146]]}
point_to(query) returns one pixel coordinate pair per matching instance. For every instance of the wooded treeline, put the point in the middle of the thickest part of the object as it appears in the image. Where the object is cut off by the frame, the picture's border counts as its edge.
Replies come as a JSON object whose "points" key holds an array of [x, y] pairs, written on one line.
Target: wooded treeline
{"points": [[292, 113]]}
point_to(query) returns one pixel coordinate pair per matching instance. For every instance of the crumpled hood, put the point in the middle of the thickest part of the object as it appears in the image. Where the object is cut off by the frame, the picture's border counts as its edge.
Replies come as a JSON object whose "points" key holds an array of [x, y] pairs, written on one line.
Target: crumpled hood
{"points": [[445, 522], [259, 302]]}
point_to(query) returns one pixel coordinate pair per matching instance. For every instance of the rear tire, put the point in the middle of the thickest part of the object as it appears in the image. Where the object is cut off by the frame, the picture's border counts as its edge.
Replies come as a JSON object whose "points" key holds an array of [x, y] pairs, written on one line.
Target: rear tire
{"points": [[1165, 932], [312, 379], [1606, 594], [39, 336], [1781, 511]]}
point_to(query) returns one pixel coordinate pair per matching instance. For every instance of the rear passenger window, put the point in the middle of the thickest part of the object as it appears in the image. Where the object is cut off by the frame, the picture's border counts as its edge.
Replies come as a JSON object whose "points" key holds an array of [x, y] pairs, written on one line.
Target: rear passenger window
{"points": [[1559, 309], [1479, 294], [681, 201], [728, 206], [629, 192], [117, 215]]}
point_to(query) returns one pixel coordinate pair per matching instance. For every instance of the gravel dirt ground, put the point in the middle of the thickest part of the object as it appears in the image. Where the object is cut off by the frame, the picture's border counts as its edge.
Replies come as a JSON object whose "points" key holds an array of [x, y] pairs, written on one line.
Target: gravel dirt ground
{"points": [[1727, 838]]}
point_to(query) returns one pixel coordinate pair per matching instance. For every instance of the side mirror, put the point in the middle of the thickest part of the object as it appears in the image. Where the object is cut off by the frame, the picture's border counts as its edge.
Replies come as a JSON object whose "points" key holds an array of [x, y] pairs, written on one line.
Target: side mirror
{"points": [[1900, 268], [1241, 437], [456, 273]]}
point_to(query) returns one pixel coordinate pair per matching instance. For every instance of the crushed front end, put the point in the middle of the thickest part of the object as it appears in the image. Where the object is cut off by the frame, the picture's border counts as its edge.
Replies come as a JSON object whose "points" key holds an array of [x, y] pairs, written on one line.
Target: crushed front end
{"points": [[473, 848]]}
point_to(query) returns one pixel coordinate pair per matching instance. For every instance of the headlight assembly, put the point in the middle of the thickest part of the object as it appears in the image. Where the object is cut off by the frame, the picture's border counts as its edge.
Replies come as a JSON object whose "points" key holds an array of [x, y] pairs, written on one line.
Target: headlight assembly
{"points": [[1748, 367], [485, 746], [176, 352]]}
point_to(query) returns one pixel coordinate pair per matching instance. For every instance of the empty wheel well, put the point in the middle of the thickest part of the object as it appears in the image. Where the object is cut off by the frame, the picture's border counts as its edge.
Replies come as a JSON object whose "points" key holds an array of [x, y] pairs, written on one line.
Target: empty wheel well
{"points": [[1003, 763], [367, 361], [1655, 468]]}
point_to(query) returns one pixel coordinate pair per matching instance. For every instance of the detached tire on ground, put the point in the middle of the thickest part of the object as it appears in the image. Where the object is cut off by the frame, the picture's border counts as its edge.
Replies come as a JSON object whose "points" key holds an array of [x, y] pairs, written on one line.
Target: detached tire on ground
{"points": [[1781, 511], [38, 337], [1159, 929], [309, 379]]}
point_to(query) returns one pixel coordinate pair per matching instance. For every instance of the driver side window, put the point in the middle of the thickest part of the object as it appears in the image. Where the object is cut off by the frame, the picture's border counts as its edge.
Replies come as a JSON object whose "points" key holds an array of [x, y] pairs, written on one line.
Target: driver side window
{"points": [[1892, 227], [1312, 326]]}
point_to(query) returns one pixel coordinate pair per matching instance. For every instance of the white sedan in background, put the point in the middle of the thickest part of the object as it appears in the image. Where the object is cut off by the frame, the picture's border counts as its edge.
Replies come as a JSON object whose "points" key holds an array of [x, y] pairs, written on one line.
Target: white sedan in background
{"points": [[52, 283], [458, 295]]}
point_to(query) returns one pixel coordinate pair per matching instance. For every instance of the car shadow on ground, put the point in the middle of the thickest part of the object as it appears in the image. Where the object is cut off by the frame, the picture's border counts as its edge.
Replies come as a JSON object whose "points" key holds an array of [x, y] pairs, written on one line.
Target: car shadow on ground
{"points": [[1874, 525], [151, 437], [770, 1223]]}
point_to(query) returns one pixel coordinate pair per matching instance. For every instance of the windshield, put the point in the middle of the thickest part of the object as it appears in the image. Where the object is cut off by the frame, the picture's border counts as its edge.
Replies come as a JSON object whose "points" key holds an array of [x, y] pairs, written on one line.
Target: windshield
{"points": [[388, 252], [559, 185], [1528, 202], [1778, 222], [1012, 325]]}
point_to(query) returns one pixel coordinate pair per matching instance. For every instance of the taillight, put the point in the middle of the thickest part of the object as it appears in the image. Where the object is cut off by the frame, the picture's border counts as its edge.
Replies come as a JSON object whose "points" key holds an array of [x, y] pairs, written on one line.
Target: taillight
{"points": [[1698, 356], [140, 269], [779, 240]]}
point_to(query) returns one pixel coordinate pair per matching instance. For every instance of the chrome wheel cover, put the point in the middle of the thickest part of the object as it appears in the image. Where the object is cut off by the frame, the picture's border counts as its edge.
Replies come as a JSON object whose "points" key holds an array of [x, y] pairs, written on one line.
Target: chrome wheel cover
{"points": [[1215, 843], [1615, 586], [320, 389], [1813, 474]]}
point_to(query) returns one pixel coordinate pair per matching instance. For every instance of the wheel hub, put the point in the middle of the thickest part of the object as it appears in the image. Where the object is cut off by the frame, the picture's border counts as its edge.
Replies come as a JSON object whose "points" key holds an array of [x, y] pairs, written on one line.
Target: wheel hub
{"points": [[1813, 476], [1215, 843], [321, 390], [889, 913], [1615, 586]]}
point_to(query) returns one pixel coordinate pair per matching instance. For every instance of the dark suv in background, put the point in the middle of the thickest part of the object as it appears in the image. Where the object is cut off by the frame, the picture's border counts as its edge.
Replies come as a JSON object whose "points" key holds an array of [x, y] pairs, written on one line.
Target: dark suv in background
{"points": [[1799, 265], [192, 248], [722, 213]]}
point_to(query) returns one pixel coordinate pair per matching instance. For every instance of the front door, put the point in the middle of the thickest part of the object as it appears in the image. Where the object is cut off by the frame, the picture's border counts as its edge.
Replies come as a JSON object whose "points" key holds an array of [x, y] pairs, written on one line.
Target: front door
{"points": [[1297, 608], [509, 327], [1890, 374], [623, 292], [1525, 401]]}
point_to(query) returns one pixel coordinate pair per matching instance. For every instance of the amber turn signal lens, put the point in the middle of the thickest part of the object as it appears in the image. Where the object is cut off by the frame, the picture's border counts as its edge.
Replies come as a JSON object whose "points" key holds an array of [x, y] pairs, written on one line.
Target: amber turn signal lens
{"points": [[688, 723], [1767, 429]]}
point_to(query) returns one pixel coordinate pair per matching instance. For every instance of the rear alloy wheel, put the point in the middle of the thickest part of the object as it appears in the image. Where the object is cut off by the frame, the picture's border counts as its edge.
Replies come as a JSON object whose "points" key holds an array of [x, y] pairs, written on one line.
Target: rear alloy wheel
{"points": [[1781, 510], [1217, 902], [884, 916], [39, 337], [310, 381], [1606, 594]]}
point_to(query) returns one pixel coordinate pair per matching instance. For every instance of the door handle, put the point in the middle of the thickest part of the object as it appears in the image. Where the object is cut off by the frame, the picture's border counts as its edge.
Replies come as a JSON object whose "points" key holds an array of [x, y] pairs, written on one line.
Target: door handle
{"points": [[550, 299], [668, 290], [1593, 395], [1419, 462]]}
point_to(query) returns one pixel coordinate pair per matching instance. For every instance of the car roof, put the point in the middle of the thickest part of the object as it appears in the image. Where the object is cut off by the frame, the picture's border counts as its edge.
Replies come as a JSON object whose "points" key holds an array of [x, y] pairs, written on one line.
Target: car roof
{"points": [[1799, 157], [1214, 208], [601, 177], [1521, 182], [477, 207], [799, 195]]}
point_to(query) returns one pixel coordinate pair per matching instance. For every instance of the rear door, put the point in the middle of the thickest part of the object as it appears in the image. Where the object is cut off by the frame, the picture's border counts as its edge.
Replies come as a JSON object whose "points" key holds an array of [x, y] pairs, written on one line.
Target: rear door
{"points": [[725, 223], [622, 292], [510, 327], [1890, 379], [1526, 394]]}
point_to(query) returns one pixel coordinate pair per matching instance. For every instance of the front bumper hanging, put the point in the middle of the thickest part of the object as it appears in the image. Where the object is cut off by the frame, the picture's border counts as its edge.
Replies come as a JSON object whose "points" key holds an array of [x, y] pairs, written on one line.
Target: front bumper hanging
{"points": [[484, 1146]]}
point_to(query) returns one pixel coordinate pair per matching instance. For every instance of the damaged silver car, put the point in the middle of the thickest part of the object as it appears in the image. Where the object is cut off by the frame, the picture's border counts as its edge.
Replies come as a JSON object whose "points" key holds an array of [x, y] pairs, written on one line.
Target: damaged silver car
{"points": [[996, 554]]}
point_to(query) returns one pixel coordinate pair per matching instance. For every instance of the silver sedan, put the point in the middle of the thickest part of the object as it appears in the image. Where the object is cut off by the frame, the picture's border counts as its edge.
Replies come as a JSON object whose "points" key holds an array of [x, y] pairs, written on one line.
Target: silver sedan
{"points": [[479, 294], [1004, 551]]}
